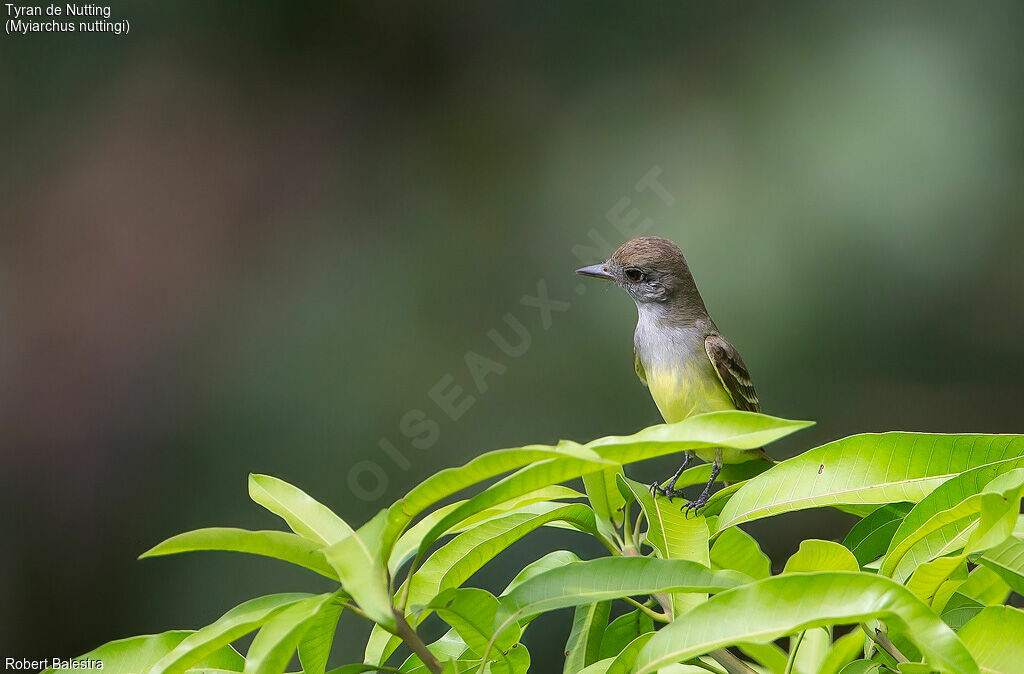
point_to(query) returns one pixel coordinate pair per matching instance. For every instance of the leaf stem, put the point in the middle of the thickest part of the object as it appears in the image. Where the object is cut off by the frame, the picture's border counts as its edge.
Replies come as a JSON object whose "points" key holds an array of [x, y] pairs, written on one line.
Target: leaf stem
{"points": [[355, 609], [880, 638], [404, 630], [705, 666], [627, 529], [660, 617], [791, 661], [636, 529], [608, 544], [732, 664]]}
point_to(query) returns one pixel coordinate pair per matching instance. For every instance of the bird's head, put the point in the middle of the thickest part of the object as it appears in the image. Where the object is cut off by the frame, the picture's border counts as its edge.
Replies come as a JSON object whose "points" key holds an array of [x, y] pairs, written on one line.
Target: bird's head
{"points": [[650, 269]]}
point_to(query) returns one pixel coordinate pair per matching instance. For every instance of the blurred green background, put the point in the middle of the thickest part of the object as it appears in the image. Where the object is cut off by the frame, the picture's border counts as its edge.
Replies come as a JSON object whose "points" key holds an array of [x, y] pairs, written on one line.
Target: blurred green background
{"points": [[252, 236]]}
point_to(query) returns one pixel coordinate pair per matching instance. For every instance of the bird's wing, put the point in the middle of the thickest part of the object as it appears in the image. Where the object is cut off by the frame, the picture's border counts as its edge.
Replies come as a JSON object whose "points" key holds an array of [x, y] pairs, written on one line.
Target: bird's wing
{"points": [[732, 372], [639, 367]]}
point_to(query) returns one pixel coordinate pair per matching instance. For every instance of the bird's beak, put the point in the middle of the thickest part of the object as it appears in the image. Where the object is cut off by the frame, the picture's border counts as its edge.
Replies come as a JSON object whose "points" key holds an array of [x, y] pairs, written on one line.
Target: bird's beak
{"points": [[595, 270]]}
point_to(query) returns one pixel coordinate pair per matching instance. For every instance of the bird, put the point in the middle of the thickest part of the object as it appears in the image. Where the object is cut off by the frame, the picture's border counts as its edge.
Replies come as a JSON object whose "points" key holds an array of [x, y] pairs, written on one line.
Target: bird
{"points": [[678, 352]]}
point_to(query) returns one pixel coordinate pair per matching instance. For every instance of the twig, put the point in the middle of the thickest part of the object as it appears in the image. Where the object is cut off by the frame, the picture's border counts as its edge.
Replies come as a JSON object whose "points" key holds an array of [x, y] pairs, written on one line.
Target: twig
{"points": [[880, 638], [660, 617], [404, 630]]}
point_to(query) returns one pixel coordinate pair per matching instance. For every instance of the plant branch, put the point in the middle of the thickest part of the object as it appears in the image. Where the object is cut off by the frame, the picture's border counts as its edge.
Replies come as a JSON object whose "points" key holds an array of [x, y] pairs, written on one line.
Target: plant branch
{"points": [[660, 617], [404, 630], [732, 664], [880, 638]]}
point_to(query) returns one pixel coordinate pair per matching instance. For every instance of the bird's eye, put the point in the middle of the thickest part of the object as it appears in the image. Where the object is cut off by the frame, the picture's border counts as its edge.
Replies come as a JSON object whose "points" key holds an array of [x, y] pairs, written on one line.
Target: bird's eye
{"points": [[634, 274]]}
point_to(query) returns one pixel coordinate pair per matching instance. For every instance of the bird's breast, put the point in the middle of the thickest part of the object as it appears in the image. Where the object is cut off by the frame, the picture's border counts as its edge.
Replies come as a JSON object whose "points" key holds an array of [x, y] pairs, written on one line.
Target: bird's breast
{"points": [[686, 389], [681, 378]]}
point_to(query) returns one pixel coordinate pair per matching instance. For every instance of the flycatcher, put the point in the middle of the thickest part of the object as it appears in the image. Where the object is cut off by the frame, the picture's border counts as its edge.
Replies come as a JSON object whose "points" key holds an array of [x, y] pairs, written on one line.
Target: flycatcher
{"points": [[678, 352]]}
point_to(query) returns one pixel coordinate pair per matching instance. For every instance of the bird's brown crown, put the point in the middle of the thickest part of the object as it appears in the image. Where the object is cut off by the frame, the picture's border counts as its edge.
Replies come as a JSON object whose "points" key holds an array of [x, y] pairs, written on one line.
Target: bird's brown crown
{"points": [[651, 253]]}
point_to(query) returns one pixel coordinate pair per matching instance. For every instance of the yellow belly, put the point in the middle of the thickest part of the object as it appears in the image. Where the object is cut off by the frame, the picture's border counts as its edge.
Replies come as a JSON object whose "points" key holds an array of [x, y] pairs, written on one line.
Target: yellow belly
{"points": [[682, 393], [686, 391]]}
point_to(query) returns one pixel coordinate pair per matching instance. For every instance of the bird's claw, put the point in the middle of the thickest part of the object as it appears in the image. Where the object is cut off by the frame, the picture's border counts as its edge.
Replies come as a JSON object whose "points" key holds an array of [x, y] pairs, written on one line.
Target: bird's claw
{"points": [[665, 491], [696, 505]]}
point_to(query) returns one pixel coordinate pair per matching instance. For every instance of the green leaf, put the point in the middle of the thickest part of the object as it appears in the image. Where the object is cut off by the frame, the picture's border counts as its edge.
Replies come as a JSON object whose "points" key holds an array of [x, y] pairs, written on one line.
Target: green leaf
{"points": [[740, 430], [732, 428], [354, 669], [457, 560], [452, 480], [914, 668], [765, 610], [276, 544], [869, 539], [278, 639], [623, 630], [960, 609], [517, 661], [612, 578], [358, 560], [449, 647], [929, 579], [670, 532], [769, 656], [409, 542], [995, 637], [139, 654], [605, 498], [626, 659], [986, 586], [863, 667], [817, 555], [736, 549], [869, 468], [574, 462], [552, 560], [237, 622], [448, 667], [811, 647], [1007, 560], [584, 644], [673, 535], [471, 613], [987, 518], [678, 668], [939, 524], [315, 646], [844, 650], [305, 516], [599, 667], [953, 492]]}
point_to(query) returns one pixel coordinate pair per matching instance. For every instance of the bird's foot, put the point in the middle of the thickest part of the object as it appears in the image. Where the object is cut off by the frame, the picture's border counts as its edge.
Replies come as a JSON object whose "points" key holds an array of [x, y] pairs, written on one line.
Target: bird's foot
{"points": [[696, 505], [667, 492]]}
